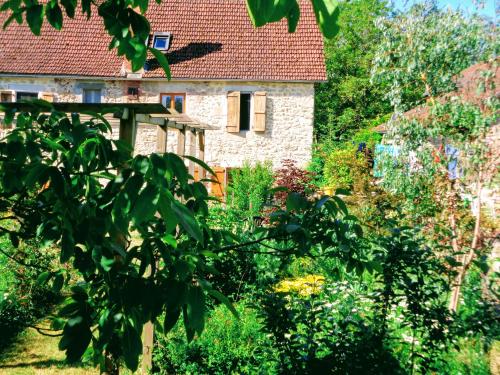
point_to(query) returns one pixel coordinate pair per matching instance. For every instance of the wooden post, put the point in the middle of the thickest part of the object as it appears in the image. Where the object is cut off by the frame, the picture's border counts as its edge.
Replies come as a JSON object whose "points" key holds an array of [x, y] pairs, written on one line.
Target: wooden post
{"points": [[201, 153], [161, 139], [147, 348], [192, 151], [181, 142], [128, 126]]}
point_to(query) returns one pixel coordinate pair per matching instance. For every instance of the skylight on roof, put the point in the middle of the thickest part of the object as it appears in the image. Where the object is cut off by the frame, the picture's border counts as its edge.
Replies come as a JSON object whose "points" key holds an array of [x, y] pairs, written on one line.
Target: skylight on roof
{"points": [[161, 41]]}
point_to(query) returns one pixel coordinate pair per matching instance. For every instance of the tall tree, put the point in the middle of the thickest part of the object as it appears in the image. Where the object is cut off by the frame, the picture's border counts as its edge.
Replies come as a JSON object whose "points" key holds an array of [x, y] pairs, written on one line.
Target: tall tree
{"points": [[349, 99]]}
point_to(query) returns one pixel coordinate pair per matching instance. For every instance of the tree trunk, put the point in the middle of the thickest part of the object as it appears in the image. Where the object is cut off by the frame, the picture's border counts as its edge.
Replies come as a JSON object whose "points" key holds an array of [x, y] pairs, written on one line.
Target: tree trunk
{"points": [[466, 259]]}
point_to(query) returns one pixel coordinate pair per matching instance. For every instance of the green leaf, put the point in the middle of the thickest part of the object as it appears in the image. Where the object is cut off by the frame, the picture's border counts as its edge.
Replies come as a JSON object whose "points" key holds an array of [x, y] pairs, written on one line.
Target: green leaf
{"points": [[293, 17], [145, 205], [223, 299], [196, 309], [162, 60], [171, 318], [43, 278], [67, 246], [187, 220], [107, 263], [54, 15], [14, 239], [35, 174], [34, 17], [58, 282], [327, 15], [69, 6], [132, 346], [341, 204], [342, 192], [201, 163]]}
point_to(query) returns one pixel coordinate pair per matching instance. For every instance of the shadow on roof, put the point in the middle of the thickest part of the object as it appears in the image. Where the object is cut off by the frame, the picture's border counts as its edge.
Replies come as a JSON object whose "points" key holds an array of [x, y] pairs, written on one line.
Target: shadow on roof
{"points": [[189, 52]]}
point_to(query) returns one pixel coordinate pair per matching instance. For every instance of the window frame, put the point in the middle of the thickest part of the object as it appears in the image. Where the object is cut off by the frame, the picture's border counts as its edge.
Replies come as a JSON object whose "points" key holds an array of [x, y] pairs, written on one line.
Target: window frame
{"points": [[250, 110], [91, 89], [33, 94], [172, 102], [162, 35]]}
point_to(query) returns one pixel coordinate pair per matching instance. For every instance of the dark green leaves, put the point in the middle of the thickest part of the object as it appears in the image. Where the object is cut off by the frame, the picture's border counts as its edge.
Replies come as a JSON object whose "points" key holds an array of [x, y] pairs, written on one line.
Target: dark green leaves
{"points": [[54, 15], [146, 203], [195, 316], [34, 17], [327, 14], [132, 346], [187, 220], [162, 61], [266, 11]]}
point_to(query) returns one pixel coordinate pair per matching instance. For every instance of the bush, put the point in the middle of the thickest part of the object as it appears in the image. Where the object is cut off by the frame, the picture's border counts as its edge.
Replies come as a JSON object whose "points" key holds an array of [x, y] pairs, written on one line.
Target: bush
{"points": [[345, 167], [22, 299], [226, 346], [248, 190]]}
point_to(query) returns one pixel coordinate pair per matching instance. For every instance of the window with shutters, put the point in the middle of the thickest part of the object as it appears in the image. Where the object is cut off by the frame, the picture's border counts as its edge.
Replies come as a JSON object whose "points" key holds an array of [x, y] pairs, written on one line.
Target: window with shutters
{"points": [[175, 101], [91, 95], [245, 113]]}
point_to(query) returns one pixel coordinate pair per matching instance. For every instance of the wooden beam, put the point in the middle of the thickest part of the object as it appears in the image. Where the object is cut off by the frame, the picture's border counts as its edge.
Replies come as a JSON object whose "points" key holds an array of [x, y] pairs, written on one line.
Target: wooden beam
{"points": [[147, 119], [201, 153], [181, 142], [161, 139], [192, 151]]}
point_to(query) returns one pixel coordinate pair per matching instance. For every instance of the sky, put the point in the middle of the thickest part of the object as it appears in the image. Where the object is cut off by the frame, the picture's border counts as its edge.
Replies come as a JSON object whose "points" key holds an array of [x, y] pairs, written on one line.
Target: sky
{"points": [[487, 10]]}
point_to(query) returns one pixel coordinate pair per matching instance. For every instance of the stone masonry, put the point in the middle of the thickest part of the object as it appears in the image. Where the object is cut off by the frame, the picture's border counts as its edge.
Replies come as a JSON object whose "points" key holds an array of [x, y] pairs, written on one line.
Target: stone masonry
{"points": [[289, 118]]}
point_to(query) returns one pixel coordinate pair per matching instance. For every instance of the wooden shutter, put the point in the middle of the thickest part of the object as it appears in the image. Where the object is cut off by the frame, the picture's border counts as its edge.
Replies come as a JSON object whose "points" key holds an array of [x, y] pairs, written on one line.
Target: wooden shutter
{"points": [[47, 96], [7, 96], [259, 105], [233, 112]]}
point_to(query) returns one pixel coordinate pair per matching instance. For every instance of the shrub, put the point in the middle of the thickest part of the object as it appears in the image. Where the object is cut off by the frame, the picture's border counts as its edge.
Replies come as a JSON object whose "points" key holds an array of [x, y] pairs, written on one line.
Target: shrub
{"points": [[22, 299], [345, 167], [294, 179], [227, 346], [248, 190]]}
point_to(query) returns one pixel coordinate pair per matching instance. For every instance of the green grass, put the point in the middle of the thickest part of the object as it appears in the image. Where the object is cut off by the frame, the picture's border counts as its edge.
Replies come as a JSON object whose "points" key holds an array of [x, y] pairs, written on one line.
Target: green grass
{"points": [[35, 354]]}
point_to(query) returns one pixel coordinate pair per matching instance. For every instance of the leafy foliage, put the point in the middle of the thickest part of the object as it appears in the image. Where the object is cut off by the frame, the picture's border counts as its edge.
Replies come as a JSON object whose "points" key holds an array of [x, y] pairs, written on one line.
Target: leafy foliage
{"points": [[421, 51], [134, 228], [228, 346], [348, 101]]}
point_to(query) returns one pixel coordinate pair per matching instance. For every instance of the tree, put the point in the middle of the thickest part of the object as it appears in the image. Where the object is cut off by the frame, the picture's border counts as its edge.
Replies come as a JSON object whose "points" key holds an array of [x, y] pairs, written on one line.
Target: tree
{"points": [[134, 229], [125, 22], [348, 100], [443, 153]]}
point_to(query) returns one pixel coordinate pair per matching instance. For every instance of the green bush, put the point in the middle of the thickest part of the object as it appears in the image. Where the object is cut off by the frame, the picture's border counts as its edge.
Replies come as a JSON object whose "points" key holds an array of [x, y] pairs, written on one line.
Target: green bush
{"points": [[344, 167], [248, 190], [226, 346], [22, 299]]}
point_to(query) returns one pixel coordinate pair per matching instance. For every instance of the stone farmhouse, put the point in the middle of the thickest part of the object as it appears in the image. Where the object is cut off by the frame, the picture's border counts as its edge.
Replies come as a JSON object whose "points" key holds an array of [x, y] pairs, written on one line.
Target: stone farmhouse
{"points": [[253, 87]]}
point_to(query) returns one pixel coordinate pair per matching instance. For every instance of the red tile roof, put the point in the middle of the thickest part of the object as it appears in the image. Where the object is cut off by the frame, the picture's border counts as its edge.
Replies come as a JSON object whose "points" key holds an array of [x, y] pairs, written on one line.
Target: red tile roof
{"points": [[212, 39]]}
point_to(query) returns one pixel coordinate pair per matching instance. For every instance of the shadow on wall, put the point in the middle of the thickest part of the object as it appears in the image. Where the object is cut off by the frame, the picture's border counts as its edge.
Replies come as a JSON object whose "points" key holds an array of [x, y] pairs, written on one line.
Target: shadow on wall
{"points": [[190, 52]]}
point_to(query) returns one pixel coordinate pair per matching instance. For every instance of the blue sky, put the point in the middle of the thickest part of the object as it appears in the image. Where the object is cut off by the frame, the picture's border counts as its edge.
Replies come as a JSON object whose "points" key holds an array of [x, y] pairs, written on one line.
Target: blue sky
{"points": [[488, 10]]}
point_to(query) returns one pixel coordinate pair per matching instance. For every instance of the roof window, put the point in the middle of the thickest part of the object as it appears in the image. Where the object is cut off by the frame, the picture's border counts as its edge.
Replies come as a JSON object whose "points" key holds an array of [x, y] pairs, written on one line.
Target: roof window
{"points": [[161, 41]]}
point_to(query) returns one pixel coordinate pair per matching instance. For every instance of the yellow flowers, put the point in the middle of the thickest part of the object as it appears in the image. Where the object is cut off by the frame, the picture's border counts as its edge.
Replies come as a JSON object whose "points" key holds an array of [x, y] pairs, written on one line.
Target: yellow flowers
{"points": [[303, 286]]}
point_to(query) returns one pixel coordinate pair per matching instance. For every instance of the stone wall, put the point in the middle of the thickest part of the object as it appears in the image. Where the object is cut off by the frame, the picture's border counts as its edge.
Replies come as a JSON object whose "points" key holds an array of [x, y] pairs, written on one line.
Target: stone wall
{"points": [[289, 119]]}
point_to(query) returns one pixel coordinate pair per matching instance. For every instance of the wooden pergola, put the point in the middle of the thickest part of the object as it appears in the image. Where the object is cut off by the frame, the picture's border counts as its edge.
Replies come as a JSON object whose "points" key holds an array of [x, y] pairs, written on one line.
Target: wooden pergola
{"points": [[126, 116]]}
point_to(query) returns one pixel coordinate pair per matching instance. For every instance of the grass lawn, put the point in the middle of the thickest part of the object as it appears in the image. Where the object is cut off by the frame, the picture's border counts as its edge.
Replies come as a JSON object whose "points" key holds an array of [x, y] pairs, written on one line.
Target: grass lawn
{"points": [[35, 354]]}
